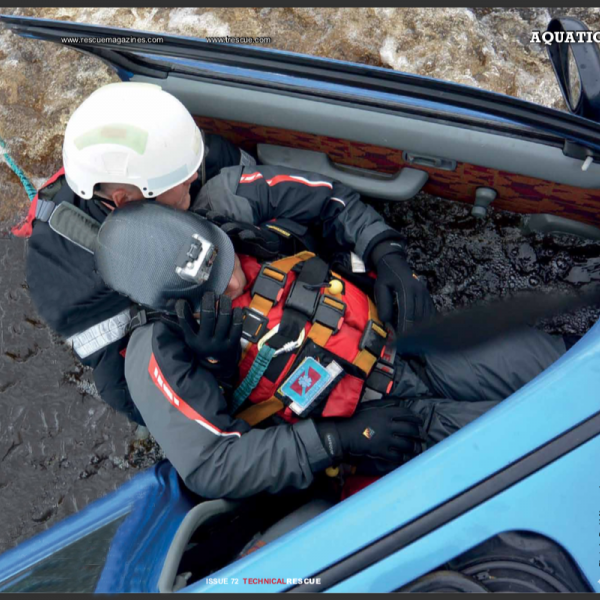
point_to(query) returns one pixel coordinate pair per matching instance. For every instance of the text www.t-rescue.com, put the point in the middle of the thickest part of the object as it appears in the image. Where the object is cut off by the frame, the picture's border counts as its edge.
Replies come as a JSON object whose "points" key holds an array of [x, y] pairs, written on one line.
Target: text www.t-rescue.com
{"points": [[238, 40]]}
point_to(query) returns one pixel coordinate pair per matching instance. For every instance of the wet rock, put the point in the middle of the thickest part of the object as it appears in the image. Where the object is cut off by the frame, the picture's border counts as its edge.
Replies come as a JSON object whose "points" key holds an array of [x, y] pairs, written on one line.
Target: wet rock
{"points": [[579, 275], [526, 258], [44, 516]]}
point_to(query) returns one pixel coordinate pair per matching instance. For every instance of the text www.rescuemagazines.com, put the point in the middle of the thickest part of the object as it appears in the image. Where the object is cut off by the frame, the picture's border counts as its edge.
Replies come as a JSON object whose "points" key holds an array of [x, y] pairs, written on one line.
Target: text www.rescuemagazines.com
{"points": [[127, 39], [123, 39]]}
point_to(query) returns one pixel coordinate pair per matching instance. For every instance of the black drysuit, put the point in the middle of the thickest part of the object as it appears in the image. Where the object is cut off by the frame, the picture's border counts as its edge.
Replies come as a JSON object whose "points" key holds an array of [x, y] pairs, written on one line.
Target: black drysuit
{"points": [[71, 297]]}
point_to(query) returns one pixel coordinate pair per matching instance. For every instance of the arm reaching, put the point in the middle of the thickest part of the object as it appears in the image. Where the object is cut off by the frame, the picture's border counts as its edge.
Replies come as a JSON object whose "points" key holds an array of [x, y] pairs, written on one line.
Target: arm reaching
{"points": [[216, 455], [258, 194]]}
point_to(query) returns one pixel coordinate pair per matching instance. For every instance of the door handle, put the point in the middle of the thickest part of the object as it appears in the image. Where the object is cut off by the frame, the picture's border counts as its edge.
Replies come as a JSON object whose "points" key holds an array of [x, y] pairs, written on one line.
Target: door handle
{"points": [[404, 185]]}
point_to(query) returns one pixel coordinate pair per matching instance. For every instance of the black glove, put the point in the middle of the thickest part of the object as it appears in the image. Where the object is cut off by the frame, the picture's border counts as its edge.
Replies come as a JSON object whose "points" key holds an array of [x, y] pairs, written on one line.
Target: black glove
{"points": [[216, 340], [381, 430], [402, 298]]}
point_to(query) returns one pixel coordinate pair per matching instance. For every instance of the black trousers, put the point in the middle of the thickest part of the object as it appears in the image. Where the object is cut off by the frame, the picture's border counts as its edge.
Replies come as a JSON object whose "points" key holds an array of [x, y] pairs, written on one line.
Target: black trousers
{"points": [[449, 390]]}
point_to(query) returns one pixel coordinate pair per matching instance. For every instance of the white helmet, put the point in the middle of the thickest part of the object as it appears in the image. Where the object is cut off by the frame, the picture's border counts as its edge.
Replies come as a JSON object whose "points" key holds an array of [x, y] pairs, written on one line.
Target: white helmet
{"points": [[132, 133]]}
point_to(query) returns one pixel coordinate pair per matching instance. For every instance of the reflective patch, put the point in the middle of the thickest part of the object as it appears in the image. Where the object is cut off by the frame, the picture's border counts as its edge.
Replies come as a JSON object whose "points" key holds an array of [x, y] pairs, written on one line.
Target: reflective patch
{"points": [[166, 182], [116, 133], [100, 335], [307, 382], [358, 266]]}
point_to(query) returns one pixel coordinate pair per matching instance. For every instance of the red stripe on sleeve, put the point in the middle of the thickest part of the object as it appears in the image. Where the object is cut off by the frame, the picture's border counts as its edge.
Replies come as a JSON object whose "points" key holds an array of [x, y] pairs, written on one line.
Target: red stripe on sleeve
{"points": [[161, 383], [297, 179], [249, 178]]}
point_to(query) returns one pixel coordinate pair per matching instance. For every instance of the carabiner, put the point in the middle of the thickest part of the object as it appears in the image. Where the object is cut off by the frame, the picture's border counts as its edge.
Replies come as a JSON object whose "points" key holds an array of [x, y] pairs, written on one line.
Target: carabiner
{"points": [[286, 347]]}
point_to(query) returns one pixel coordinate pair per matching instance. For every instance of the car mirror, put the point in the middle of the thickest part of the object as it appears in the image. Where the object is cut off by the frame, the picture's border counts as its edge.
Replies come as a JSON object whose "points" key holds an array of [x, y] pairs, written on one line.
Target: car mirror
{"points": [[576, 66]]}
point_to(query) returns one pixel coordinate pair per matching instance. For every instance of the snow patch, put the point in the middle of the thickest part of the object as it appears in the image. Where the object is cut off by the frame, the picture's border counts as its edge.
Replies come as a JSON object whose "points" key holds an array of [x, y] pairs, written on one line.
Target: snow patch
{"points": [[207, 24]]}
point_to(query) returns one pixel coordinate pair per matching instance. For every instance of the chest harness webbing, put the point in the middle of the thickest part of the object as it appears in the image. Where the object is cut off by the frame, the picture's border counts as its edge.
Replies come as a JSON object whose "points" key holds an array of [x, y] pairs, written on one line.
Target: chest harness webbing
{"points": [[305, 303]]}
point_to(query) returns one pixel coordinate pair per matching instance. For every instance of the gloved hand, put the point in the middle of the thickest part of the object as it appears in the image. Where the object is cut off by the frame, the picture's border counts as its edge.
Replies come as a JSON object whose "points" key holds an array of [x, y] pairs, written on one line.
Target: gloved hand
{"points": [[381, 430], [402, 299], [216, 339]]}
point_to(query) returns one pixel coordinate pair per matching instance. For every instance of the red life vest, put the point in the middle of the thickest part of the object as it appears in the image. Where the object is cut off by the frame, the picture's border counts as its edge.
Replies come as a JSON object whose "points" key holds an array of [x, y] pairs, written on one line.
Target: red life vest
{"points": [[347, 344]]}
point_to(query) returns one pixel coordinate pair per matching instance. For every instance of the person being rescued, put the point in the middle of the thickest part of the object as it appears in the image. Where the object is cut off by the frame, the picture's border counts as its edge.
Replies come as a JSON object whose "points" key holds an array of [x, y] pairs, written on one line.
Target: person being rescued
{"points": [[255, 376]]}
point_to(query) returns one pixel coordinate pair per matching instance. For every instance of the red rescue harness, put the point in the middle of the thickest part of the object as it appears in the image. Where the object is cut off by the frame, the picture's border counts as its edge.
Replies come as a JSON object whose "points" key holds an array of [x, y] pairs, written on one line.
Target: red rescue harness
{"points": [[357, 342]]}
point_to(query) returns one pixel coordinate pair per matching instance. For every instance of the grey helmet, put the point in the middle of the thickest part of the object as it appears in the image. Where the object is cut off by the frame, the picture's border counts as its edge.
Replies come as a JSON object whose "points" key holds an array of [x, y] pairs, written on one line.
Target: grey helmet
{"points": [[155, 254]]}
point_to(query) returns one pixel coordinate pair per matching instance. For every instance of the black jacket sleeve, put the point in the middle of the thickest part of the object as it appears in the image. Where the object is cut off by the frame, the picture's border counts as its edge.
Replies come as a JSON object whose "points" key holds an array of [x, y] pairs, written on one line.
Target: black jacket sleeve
{"points": [[259, 194], [220, 153], [217, 455]]}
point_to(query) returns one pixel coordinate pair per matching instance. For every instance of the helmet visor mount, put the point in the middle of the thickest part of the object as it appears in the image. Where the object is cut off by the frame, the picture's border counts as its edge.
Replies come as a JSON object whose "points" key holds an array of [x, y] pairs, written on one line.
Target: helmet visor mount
{"points": [[196, 260]]}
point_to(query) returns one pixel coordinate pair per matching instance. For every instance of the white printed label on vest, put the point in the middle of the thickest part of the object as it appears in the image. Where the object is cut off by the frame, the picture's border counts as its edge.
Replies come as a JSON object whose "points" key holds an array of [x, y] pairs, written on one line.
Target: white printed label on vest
{"points": [[307, 382], [358, 266]]}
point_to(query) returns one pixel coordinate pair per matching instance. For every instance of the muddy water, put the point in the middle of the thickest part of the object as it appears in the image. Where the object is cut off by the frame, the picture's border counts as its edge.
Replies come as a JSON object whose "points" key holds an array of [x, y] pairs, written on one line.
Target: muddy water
{"points": [[61, 447], [466, 260]]}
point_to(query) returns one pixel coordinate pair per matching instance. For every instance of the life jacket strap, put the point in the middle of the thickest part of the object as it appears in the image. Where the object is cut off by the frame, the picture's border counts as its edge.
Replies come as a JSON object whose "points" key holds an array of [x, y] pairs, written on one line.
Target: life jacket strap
{"points": [[266, 292], [328, 318], [255, 414], [44, 210], [49, 189], [75, 225], [381, 379]]}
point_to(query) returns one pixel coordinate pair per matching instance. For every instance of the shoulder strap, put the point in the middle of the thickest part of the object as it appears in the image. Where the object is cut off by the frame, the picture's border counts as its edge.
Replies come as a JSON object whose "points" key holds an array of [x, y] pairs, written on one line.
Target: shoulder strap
{"points": [[270, 282], [41, 205], [75, 225]]}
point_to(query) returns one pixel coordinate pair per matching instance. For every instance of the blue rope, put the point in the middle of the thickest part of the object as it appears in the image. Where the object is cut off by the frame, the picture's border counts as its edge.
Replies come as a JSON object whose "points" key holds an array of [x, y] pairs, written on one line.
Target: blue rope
{"points": [[259, 366], [31, 191]]}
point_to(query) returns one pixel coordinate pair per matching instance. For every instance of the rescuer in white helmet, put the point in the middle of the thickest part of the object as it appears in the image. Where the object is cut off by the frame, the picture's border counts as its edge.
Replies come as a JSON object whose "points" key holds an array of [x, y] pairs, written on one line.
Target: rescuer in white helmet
{"points": [[129, 141], [125, 142]]}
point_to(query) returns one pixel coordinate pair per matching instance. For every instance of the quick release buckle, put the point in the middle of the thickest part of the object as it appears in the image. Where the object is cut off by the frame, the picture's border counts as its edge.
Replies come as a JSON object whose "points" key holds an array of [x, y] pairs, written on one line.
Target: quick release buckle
{"points": [[381, 378], [270, 283], [373, 338], [254, 325], [138, 318], [330, 312], [303, 299]]}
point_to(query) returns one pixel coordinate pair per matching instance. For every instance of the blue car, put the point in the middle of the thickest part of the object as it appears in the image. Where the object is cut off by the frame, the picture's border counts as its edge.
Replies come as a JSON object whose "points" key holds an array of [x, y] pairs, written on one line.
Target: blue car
{"points": [[509, 503]]}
